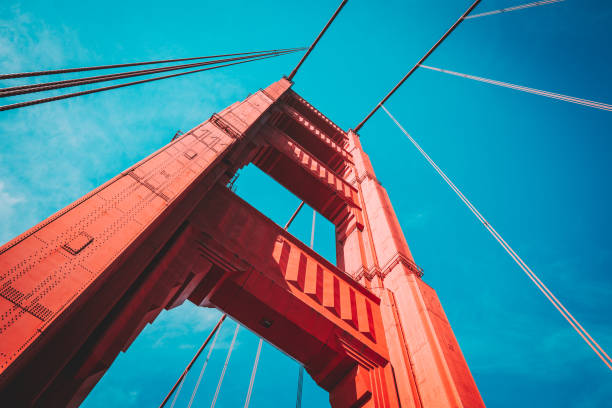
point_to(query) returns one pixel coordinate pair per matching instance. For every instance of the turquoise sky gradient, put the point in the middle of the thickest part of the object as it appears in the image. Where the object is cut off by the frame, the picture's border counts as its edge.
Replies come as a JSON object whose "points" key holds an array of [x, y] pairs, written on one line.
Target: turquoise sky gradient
{"points": [[538, 169]]}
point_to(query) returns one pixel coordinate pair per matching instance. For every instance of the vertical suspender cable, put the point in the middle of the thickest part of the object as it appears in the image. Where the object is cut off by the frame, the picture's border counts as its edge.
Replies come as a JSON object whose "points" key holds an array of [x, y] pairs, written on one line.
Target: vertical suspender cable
{"points": [[414, 68], [298, 402], [534, 278], [178, 391], [252, 381], [295, 213], [195, 388], [256, 362], [312, 231], [229, 354], [195, 357]]}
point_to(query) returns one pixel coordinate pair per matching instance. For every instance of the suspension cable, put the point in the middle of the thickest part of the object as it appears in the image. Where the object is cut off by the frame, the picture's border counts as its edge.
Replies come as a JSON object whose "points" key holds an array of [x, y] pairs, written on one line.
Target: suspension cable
{"points": [[178, 391], [522, 6], [46, 86], [195, 357], [298, 403], [414, 68], [107, 88], [333, 17], [552, 95], [197, 384], [295, 213], [229, 354], [132, 64], [252, 381], [534, 278]]}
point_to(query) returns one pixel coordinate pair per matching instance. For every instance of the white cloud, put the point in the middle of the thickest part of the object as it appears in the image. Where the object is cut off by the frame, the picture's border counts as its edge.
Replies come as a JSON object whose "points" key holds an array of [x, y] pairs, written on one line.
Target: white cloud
{"points": [[56, 152]]}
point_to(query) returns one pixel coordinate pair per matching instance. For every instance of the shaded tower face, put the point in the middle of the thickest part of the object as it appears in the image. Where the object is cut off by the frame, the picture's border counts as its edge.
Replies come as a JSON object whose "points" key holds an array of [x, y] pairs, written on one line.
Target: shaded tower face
{"points": [[77, 289]]}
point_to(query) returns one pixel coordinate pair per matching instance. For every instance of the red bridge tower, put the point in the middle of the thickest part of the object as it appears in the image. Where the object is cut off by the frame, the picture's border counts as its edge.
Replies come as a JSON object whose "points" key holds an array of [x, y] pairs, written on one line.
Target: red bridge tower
{"points": [[77, 289]]}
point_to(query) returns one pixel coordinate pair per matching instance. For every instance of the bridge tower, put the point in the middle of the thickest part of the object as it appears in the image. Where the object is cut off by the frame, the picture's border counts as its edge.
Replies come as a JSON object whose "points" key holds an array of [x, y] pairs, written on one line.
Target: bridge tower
{"points": [[76, 289]]}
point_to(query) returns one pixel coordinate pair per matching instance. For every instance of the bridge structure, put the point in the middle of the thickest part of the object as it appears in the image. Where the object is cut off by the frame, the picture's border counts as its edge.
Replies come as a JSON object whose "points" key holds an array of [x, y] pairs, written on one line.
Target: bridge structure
{"points": [[78, 288]]}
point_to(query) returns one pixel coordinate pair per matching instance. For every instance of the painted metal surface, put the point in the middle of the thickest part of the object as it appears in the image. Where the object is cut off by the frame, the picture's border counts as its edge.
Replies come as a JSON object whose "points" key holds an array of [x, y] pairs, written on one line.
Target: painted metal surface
{"points": [[79, 287]]}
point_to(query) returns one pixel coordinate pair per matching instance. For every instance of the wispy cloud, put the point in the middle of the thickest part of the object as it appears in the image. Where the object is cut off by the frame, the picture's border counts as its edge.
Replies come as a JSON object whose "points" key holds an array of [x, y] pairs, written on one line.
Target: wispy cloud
{"points": [[56, 152]]}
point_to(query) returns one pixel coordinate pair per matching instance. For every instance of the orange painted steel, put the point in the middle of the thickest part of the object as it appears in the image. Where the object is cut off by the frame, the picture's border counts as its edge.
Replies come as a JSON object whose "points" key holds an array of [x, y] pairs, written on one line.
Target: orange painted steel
{"points": [[77, 289]]}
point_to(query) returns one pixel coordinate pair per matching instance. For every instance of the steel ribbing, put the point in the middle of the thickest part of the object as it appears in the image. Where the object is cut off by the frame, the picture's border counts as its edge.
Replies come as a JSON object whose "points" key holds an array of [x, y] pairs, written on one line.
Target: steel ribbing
{"points": [[333, 17], [414, 68], [132, 64], [579, 101], [46, 86], [107, 88], [521, 7], [534, 278], [195, 357]]}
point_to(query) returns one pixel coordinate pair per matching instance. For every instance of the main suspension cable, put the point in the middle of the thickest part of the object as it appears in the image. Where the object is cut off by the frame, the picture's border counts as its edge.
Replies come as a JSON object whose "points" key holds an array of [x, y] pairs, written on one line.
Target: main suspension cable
{"points": [[414, 68], [229, 354], [552, 95], [46, 86], [520, 7], [132, 64], [107, 88], [333, 17], [534, 278], [195, 357]]}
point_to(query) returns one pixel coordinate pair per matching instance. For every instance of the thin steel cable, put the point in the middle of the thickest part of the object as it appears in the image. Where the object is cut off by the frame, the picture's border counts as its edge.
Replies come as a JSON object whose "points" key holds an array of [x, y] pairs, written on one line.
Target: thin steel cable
{"points": [[312, 231], [195, 388], [534, 278], [229, 354], [552, 95], [47, 86], [131, 64], [195, 357], [252, 381], [333, 17], [107, 88], [298, 402], [178, 391], [520, 7], [418, 64], [295, 213]]}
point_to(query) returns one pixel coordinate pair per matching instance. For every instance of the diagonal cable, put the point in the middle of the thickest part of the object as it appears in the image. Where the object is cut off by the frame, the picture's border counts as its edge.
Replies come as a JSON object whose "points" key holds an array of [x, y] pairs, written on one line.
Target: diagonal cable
{"points": [[46, 86], [552, 95], [534, 278], [418, 64], [131, 64], [107, 88], [520, 7], [195, 388], [229, 354]]}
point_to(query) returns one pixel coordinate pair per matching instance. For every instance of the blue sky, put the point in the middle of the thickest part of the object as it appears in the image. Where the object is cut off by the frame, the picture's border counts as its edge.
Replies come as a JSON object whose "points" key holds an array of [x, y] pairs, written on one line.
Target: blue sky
{"points": [[538, 169]]}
